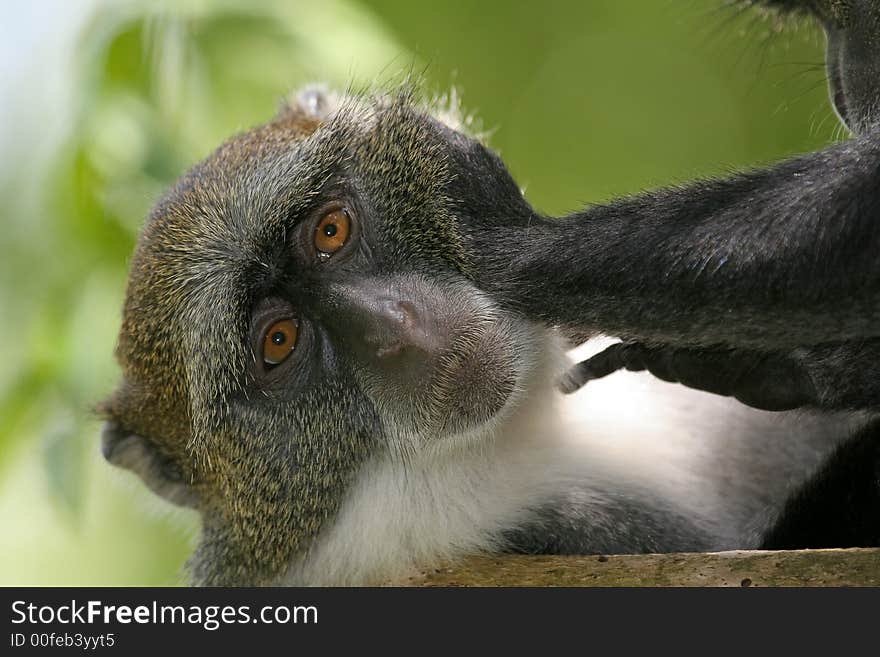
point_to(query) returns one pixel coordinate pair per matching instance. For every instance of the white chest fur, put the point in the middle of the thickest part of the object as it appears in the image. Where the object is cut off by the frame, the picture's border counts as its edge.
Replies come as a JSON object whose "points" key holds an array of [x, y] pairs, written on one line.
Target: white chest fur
{"points": [[707, 456]]}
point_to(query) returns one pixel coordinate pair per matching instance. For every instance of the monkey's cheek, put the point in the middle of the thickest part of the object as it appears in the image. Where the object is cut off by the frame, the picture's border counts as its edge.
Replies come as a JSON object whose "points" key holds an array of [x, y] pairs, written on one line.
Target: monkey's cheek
{"points": [[473, 392]]}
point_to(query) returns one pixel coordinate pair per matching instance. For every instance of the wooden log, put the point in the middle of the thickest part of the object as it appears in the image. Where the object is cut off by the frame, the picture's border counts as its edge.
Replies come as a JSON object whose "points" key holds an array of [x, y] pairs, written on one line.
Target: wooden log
{"points": [[853, 567]]}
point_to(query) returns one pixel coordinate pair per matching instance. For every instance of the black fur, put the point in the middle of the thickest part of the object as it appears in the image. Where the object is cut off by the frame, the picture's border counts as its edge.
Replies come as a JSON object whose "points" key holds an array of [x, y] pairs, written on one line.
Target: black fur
{"points": [[762, 286], [621, 523], [767, 260], [840, 506]]}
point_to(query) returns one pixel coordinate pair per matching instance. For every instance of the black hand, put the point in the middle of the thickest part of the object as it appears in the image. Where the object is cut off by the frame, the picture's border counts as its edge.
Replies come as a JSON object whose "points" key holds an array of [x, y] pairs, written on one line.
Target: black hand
{"points": [[771, 382], [834, 376]]}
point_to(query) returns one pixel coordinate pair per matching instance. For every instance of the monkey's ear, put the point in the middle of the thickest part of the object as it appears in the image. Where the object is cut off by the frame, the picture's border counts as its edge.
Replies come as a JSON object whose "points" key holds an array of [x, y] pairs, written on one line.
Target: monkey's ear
{"points": [[314, 103], [161, 475]]}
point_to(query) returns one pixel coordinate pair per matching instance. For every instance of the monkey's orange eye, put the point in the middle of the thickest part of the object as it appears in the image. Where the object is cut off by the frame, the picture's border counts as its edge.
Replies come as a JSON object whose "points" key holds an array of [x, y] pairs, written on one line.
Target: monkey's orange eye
{"points": [[279, 341], [332, 232]]}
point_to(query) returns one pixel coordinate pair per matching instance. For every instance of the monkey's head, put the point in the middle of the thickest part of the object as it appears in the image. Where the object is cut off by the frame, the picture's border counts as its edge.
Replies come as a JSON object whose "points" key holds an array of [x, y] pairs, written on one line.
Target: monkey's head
{"points": [[302, 302]]}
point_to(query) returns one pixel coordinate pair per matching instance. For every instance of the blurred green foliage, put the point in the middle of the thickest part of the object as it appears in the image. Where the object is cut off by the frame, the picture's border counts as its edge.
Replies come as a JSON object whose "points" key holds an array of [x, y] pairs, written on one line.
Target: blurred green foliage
{"points": [[585, 100]]}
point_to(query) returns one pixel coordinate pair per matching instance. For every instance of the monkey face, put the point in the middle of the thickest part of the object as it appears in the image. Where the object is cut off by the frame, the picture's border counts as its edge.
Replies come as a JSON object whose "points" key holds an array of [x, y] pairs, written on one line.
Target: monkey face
{"points": [[300, 303]]}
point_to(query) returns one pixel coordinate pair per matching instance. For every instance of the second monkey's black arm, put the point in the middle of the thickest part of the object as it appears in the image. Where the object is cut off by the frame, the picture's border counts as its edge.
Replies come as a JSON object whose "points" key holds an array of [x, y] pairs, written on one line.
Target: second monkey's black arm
{"points": [[772, 259]]}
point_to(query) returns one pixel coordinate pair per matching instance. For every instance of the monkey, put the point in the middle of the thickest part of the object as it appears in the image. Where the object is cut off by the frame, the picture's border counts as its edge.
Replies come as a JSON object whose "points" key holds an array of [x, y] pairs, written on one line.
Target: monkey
{"points": [[423, 421], [769, 268], [314, 357], [761, 287]]}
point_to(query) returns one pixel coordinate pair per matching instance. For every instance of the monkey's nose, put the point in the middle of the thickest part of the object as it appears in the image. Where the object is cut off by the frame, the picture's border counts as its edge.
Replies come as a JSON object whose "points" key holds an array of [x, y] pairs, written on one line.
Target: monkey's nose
{"points": [[385, 323], [400, 326]]}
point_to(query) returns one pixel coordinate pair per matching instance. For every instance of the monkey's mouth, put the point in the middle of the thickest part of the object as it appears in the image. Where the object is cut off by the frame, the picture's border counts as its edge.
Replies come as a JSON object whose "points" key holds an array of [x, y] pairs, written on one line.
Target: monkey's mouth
{"points": [[458, 390]]}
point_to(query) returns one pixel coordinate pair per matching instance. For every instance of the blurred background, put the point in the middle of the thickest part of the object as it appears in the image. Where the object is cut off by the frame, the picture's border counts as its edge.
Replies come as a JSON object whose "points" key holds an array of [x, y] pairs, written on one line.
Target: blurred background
{"points": [[104, 103]]}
